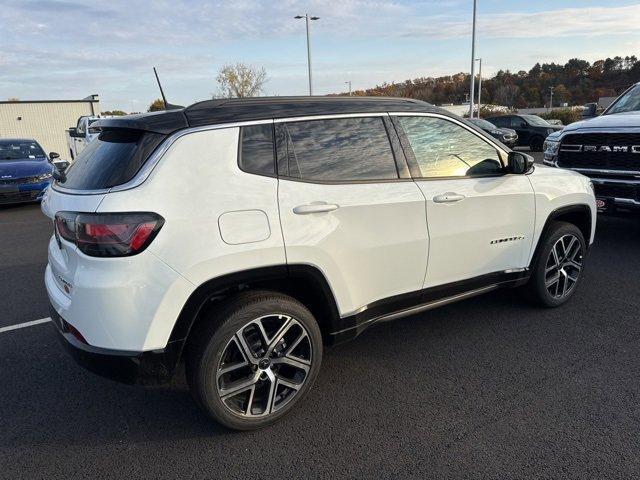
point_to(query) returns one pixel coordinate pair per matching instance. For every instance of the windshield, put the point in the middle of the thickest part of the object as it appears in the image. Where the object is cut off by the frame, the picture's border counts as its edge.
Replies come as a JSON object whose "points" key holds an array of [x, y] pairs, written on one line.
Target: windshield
{"points": [[484, 124], [20, 150], [627, 102], [536, 121]]}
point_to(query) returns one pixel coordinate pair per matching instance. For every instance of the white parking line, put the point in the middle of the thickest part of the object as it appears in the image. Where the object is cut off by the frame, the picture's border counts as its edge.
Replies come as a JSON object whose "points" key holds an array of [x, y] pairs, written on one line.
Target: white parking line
{"points": [[24, 325]]}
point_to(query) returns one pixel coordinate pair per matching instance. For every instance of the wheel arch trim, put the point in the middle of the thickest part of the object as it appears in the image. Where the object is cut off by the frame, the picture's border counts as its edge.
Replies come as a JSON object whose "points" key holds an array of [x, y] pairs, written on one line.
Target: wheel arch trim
{"points": [[261, 275], [559, 213]]}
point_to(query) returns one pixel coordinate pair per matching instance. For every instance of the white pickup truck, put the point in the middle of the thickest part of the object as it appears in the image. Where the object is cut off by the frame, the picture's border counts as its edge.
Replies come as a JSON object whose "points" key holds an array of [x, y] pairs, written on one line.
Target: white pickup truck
{"points": [[78, 137]]}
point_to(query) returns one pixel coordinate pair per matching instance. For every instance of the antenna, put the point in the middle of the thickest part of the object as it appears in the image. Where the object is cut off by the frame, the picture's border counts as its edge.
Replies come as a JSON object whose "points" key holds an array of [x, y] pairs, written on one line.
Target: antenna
{"points": [[164, 99]]}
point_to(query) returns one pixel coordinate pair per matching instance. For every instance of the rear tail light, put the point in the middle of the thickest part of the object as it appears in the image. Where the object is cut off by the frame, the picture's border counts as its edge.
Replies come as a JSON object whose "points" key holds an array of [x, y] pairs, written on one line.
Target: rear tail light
{"points": [[109, 234]]}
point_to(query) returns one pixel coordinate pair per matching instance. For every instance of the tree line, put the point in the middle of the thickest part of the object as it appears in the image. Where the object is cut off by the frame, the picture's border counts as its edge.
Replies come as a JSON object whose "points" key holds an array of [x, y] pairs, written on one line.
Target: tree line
{"points": [[576, 82]]}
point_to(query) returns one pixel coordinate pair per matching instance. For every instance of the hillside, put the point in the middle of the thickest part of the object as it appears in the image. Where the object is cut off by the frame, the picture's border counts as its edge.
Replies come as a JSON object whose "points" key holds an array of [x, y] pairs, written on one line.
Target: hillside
{"points": [[577, 82]]}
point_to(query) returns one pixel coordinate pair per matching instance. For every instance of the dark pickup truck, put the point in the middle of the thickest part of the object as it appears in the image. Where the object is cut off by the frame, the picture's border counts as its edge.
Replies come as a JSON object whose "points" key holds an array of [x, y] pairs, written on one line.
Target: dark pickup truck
{"points": [[606, 149]]}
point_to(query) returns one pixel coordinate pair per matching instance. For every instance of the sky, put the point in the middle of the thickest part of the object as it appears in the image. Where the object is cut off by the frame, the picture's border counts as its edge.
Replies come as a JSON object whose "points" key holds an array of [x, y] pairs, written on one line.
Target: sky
{"points": [[63, 49]]}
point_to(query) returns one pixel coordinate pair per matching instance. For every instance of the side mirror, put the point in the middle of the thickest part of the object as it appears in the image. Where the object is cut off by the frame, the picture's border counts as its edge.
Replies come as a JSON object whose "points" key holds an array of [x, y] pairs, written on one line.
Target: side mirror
{"points": [[519, 162], [73, 132], [590, 110], [53, 156]]}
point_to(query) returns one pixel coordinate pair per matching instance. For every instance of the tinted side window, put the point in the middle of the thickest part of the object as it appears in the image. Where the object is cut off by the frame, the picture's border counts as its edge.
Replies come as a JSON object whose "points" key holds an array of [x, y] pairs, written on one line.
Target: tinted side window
{"points": [[112, 159], [517, 122], [500, 121], [256, 149], [341, 149], [445, 149]]}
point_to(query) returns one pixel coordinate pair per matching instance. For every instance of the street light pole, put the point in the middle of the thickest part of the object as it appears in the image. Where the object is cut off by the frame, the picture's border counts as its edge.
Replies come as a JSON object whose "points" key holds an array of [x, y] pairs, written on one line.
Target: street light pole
{"points": [[349, 83], [473, 63], [307, 19], [479, 86]]}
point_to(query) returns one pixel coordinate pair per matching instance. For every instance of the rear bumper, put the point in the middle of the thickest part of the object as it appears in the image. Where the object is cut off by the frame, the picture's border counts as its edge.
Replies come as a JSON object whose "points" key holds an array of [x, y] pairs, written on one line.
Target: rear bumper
{"points": [[142, 368]]}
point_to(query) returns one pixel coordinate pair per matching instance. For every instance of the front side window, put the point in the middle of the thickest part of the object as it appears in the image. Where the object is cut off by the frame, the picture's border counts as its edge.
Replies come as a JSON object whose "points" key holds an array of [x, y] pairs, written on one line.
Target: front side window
{"points": [[501, 121], [535, 120], [336, 150], [256, 149], [517, 122], [445, 149]]}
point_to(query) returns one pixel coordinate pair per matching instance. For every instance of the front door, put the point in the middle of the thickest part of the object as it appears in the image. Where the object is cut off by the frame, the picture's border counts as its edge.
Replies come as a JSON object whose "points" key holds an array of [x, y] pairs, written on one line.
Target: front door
{"points": [[480, 218], [345, 210]]}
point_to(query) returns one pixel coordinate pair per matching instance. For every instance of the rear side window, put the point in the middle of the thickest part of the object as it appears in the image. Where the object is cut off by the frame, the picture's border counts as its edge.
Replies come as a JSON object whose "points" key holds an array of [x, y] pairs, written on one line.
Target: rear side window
{"points": [[256, 149], [336, 150], [113, 158]]}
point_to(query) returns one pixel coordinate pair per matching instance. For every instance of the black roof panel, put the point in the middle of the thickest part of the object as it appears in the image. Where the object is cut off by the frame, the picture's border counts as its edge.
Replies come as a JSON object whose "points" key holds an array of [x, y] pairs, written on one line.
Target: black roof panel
{"points": [[212, 112]]}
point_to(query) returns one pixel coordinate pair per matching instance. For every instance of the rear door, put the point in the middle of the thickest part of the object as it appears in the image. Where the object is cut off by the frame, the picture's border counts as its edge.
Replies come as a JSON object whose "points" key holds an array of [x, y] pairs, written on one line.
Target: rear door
{"points": [[349, 207], [480, 219]]}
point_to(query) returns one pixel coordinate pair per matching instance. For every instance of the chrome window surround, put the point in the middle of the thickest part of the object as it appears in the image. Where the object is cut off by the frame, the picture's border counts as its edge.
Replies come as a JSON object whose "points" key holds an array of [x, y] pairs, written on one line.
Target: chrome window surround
{"points": [[157, 155]]}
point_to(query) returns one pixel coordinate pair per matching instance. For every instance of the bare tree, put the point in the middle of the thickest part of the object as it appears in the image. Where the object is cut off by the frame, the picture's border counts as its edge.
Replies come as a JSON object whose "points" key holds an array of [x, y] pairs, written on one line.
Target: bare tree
{"points": [[240, 80]]}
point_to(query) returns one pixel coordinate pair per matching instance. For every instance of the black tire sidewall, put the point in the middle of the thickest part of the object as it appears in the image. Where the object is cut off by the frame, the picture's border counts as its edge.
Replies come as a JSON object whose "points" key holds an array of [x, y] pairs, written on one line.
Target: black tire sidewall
{"points": [[204, 373]]}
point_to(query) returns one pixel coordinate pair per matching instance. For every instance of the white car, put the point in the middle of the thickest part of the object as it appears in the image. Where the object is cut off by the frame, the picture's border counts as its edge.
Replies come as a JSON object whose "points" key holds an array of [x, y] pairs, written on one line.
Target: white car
{"points": [[242, 235]]}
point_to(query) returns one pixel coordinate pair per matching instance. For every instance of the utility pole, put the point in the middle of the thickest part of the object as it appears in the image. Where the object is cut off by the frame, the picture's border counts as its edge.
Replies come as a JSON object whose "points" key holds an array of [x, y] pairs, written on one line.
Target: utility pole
{"points": [[307, 19], [479, 86], [349, 83], [551, 97], [473, 63]]}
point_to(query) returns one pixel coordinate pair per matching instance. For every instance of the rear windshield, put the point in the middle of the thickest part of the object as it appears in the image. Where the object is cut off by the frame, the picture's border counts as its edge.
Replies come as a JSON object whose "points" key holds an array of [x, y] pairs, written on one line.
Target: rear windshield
{"points": [[111, 159]]}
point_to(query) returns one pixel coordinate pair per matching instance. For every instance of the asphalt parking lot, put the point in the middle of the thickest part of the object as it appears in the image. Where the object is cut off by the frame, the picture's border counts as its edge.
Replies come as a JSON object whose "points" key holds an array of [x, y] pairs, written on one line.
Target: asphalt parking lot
{"points": [[487, 388]]}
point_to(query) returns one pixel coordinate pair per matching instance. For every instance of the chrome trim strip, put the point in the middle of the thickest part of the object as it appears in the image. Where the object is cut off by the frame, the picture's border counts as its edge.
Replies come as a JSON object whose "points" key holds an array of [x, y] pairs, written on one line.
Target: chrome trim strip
{"points": [[608, 181], [593, 170], [570, 148], [437, 303], [155, 158], [628, 201]]}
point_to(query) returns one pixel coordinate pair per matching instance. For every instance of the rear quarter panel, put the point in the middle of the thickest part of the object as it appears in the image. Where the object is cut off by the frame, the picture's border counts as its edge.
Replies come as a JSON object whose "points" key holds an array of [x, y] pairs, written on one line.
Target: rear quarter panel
{"points": [[198, 188]]}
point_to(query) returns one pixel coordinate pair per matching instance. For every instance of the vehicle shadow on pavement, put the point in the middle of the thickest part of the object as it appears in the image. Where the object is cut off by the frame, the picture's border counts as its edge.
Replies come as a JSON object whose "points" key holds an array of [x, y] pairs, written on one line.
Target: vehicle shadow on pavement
{"points": [[472, 363]]}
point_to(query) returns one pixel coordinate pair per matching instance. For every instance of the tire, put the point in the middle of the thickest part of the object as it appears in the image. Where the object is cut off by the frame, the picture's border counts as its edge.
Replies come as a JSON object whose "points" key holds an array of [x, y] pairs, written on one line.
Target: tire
{"points": [[556, 276], [253, 358], [536, 144]]}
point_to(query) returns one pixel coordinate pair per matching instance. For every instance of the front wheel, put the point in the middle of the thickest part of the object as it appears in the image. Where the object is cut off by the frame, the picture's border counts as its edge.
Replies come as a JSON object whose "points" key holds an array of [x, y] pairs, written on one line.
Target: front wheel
{"points": [[536, 144], [558, 269], [253, 359]]}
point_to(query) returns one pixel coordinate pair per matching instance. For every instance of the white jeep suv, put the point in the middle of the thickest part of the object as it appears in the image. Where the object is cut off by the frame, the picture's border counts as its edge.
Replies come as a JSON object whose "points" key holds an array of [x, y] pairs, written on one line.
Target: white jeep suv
{"points": [[242, 235]]}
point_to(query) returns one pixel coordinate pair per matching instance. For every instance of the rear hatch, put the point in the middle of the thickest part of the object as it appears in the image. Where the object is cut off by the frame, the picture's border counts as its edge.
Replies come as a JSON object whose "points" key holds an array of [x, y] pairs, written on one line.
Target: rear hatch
{"points": [[109, 161]]}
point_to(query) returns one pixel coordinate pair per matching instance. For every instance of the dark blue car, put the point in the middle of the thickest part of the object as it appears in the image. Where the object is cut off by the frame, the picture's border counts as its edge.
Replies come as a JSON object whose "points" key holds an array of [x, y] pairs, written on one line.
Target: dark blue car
{"points": [[25, 171]]}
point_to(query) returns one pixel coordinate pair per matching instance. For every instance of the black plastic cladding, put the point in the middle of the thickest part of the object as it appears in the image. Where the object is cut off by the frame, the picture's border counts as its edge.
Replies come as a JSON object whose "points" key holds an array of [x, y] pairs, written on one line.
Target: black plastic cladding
{"points": [[213, 112]]}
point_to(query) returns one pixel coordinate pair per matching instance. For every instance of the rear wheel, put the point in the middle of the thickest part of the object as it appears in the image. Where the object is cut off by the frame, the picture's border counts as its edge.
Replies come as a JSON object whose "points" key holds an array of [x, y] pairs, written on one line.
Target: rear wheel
{"points": [[254, 359], [558, 269]]}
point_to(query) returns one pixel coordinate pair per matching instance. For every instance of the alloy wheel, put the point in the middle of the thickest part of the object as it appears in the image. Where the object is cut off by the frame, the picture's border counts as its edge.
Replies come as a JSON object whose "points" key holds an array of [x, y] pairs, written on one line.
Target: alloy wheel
{"points": [[563, 266], [264, 366]]}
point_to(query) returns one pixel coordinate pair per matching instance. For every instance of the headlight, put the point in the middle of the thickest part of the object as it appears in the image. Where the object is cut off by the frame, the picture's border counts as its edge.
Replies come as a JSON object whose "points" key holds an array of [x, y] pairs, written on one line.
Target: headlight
{"points": [[43, 177], [551, 147]]}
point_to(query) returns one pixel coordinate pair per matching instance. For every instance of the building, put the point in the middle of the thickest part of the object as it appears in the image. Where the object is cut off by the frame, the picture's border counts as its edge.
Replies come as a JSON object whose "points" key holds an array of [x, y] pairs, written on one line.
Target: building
{"points": [[46, 121]]}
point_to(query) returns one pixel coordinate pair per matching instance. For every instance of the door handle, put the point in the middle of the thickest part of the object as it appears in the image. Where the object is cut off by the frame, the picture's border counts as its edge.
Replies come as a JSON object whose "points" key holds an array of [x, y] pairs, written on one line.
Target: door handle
{"points": [[448, 198], [315, 208]]}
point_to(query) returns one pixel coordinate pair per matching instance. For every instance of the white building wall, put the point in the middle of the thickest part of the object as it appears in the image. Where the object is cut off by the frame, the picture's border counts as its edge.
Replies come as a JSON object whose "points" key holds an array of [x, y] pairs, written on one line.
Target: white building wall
{"points": [[44, 121]]}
